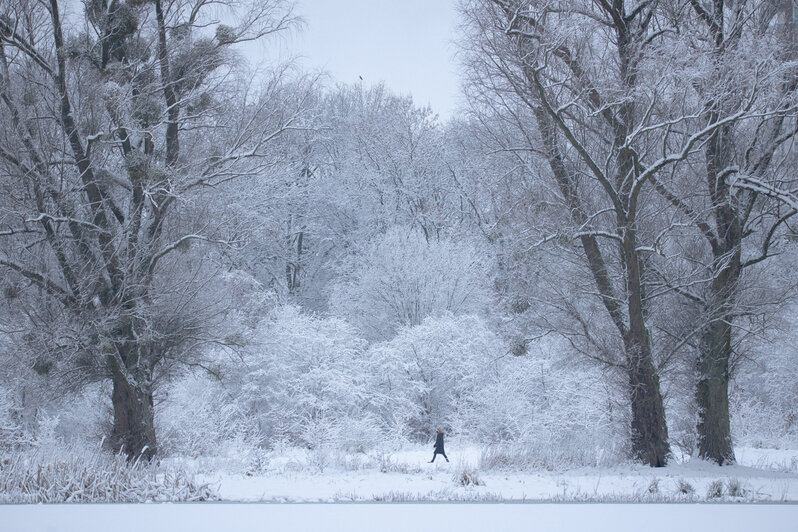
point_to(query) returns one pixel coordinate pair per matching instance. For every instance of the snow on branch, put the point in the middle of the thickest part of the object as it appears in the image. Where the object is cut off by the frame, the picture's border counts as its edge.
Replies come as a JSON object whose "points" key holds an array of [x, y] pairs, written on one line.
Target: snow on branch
{"points": [[760, 187], [176, 244]]}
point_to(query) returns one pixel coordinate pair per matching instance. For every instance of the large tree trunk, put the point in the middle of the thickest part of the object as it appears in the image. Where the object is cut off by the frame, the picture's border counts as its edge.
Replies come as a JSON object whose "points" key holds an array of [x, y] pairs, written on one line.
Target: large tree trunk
{"points": [[649, 430], [712, 391], [134, 428], [712, 395]]}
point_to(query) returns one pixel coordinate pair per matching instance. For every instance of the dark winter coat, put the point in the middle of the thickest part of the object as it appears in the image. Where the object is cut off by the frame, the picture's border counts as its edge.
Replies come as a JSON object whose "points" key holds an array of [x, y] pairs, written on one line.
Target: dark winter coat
{"points": [[439, 443]]}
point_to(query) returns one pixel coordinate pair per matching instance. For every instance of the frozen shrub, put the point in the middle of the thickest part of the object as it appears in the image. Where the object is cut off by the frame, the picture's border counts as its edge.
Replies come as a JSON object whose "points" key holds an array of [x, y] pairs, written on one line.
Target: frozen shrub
{"points": [[433, 371], [547, 410], [39, 414], [653, 487], [84, 417], [468, 476], [734, 488], [359, 434], [199, 418], [543, 409], [319, 459], [389, 465], [763, 395], [715, 489], [402, 277], [12, 433], [684, 488], [507, 458], [306, 382]]}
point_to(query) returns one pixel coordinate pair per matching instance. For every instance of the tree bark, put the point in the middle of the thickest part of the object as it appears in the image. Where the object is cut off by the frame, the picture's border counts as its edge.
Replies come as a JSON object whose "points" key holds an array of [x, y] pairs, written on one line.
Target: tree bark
{"points": [[712, 366], [712, 396], [712, 391], [172, 104], [134, 428], [649, 430]]}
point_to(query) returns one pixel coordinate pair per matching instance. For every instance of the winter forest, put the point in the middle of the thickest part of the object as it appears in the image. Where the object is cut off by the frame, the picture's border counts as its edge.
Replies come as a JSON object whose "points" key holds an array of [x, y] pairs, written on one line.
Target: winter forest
{"points": [[216, 271]]}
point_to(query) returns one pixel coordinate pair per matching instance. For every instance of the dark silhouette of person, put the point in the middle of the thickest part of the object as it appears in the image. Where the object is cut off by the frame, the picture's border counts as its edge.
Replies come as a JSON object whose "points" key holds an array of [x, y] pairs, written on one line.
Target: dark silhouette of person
{"points": [[439, 446]]}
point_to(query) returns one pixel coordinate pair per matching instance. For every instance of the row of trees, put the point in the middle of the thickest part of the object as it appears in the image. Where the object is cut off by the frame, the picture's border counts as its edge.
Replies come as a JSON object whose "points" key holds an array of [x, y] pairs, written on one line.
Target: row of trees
{"points": [[621, 178], [662, 134]]}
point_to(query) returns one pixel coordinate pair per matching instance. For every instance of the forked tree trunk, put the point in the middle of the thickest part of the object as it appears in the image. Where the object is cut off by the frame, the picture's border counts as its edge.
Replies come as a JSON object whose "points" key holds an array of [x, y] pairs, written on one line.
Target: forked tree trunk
{"points": [[134, 429], [649, 430]]}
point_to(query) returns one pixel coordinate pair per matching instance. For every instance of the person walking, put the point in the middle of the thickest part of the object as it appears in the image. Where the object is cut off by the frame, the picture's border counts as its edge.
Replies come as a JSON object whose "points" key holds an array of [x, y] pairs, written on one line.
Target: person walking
{"points": [[439, 446]]}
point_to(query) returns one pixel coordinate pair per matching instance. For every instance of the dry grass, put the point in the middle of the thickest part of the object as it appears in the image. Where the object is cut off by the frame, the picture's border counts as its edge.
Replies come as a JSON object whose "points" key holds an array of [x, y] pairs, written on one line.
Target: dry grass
{"points": [[39, 477]]}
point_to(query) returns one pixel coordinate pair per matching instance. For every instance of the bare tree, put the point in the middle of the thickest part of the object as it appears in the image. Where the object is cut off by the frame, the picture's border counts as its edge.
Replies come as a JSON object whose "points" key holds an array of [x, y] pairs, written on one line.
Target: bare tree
{"points": [[583, 124], [748, 195], [625, 98], [108, 134]]}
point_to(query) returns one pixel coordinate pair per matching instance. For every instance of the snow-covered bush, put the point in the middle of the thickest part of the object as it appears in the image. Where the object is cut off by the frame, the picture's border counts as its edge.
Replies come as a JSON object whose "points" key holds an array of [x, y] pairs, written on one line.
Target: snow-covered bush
{"points": [[37, 411], [200, 418], [433, 371], [12, 433], [305, 382], [401, 278], [763, 395], [763, 409], [15, 431], [542, 409], [82, 417], [547, 409], [468, 476]]}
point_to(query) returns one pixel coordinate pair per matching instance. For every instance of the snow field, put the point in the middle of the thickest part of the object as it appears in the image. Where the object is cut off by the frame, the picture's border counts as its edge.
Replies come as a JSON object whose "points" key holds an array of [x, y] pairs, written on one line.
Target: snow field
{"points": [[761, 476]]}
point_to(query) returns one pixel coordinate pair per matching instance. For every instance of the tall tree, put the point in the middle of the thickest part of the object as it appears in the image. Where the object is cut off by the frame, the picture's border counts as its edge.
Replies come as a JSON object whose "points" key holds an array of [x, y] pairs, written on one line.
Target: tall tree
{"points": [[108, 137], [741, 196], [622, 100], [585, 132]]}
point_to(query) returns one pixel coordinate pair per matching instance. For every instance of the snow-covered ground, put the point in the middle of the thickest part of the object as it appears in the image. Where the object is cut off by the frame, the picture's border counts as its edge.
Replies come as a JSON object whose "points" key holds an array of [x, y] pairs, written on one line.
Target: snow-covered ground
{"points": [[292, 476], [760, 476]]}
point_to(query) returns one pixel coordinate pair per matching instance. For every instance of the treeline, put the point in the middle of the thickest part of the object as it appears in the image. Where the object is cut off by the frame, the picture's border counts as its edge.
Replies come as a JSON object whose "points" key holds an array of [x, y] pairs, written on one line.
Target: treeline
{"points": [[580, 262]]}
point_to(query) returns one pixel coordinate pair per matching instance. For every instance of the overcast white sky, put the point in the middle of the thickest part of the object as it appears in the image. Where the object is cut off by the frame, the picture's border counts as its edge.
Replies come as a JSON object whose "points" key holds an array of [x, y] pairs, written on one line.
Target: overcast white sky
{"points": [[405, 43]]}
